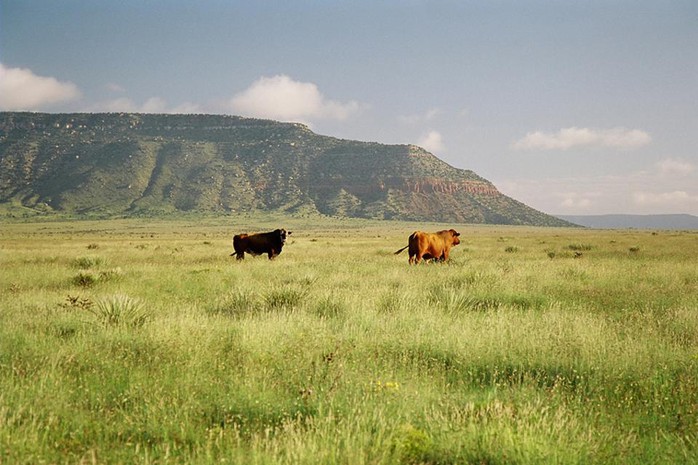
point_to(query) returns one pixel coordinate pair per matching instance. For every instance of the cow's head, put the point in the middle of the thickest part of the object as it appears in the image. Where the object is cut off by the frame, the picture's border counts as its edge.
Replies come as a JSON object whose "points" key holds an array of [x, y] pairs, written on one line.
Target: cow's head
{"points": [[454, 235], [282, 234]]}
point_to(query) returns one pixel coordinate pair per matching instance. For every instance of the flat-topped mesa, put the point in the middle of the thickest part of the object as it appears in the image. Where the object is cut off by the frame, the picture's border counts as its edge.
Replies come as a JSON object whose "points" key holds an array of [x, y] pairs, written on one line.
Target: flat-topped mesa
{"points": [[113, 164]]}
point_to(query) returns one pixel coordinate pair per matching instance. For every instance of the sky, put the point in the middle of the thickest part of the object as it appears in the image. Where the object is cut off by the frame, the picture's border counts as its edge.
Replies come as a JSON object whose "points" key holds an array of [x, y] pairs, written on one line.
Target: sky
{"points": [[573, 107]]}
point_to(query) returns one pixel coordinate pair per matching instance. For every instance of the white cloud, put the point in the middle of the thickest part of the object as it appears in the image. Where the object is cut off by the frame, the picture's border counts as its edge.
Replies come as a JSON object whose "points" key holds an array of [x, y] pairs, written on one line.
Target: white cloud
{"points": [[113, 87], [21, 89], [154, 105], [639, 192], [568, 138], [122, 104], [187, 108], [429, 115], [151, 105], [671, 166], [680, 201], [432, 141], [578, 201], [282, 98]]}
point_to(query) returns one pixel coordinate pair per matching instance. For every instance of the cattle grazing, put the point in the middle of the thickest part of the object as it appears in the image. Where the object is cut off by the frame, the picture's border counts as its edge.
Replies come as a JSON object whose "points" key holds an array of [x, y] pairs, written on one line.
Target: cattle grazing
{"points": [[435, 246], [269, 243]]}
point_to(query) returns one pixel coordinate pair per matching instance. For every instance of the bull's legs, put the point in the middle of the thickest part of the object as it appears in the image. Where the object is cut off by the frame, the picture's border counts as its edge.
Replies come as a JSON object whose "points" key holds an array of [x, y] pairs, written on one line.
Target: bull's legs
{"points": [[272, 254], [240, 255]]}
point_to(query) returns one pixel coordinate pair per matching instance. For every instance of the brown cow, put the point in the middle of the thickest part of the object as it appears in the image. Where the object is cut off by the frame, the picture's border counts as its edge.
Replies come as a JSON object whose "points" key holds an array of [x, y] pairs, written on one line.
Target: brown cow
{"points": [[269, 243], [436, 245]]}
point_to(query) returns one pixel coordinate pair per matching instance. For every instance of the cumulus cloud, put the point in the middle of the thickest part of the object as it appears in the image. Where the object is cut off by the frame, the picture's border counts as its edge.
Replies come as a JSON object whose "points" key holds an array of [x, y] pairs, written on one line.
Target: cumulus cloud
{"points": [[568, 138], [282, 98], [675, 167], [21, 89], [432, 141]]}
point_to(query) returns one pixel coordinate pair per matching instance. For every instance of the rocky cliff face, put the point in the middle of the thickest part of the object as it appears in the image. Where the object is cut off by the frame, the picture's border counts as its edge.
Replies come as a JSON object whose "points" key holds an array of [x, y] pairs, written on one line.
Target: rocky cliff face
{"points": [[115, 164]]}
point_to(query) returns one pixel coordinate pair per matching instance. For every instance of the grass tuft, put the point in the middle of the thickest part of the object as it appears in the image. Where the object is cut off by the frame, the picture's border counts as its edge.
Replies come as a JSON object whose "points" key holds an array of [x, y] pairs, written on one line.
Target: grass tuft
{"points": [[237, 304], [85, 278], [286, 298], [88, 261]]}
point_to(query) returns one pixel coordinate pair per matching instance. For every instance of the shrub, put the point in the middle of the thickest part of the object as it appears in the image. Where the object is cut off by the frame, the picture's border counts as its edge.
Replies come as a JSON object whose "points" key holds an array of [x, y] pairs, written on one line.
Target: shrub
{"points": [[579, 247]]}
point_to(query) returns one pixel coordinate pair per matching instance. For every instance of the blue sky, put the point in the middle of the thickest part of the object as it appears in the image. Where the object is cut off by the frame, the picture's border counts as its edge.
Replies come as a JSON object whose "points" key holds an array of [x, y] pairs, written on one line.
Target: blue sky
{"points": [[573, 107]]}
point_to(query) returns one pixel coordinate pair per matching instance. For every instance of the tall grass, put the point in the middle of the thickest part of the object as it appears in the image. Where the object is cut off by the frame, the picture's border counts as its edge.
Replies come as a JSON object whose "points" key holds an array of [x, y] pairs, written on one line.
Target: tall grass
{"points": [[338, 351]]}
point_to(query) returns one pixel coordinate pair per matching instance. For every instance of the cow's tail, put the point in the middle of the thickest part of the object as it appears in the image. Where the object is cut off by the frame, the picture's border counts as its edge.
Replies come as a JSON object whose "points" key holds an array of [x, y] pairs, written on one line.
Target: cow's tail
{"points": [[402, 249]]}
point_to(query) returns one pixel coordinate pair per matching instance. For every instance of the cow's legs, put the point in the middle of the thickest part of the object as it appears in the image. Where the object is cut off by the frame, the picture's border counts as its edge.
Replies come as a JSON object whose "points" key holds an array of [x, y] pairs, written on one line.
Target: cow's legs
{"points": [[240, 255]]}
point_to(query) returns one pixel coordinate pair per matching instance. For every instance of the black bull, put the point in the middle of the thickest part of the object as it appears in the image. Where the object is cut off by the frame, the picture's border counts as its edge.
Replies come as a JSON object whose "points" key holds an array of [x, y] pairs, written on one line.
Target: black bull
{"points": [[269, 243]]}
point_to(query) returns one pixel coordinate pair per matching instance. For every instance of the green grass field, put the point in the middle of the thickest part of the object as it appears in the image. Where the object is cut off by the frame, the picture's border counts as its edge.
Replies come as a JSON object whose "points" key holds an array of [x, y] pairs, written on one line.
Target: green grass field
{"points": [[129, 341]]}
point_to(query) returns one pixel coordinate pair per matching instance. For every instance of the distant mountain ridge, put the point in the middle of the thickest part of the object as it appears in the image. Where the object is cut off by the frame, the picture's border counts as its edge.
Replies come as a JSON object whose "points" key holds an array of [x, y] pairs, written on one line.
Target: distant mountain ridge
{"points": [[680, 221], [113, 164]]}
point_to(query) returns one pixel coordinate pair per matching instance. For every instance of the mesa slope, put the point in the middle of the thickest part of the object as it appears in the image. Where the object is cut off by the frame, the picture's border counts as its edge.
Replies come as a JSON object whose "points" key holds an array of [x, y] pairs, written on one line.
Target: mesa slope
{"points": [[147, 165]]}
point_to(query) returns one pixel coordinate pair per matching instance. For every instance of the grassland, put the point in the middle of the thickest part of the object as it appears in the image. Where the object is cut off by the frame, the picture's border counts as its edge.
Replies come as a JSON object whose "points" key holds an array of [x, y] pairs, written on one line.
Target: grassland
{"points": [[144, 342]]}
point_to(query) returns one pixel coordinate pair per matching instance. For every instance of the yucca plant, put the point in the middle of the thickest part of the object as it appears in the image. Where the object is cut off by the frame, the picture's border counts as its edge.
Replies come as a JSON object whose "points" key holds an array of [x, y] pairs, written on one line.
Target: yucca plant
{"points": [[120, 311]]}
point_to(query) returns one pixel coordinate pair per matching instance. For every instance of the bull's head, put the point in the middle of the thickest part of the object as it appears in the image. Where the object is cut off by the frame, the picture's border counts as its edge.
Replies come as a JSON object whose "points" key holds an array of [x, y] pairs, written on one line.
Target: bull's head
{"points": [[282, 234], [455, 235]]}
